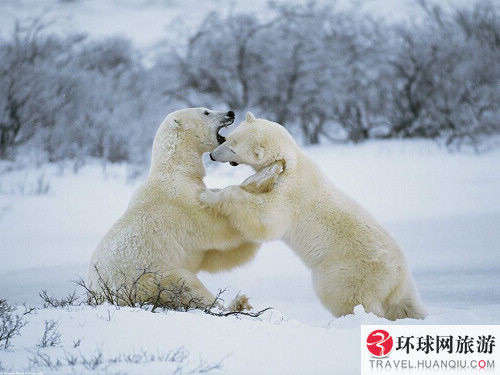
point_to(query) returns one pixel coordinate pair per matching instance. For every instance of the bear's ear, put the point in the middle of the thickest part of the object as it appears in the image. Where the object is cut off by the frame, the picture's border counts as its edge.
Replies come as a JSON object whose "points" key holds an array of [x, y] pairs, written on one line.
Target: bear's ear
{"points": [[176, 125], [259, 152], [250, 117]]}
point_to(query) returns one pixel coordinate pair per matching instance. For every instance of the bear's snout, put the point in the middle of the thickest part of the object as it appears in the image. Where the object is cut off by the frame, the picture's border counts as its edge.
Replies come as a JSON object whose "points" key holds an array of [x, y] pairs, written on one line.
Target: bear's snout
{"points": [[230, 114]]}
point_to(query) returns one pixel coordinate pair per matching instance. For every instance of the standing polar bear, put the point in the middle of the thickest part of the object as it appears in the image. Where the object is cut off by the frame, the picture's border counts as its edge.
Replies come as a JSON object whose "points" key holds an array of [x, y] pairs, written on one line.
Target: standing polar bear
{"points": [[352, 258], [165, 229]]}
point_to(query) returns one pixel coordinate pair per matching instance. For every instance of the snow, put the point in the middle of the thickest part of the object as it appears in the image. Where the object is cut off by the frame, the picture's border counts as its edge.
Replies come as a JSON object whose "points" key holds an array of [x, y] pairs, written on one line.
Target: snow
{"points": [[242, 346], [442, 207]]}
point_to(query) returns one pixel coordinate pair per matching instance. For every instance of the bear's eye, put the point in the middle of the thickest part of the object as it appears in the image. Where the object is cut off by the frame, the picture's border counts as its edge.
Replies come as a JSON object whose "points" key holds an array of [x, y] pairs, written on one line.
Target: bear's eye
{"points": [[206, 113]]}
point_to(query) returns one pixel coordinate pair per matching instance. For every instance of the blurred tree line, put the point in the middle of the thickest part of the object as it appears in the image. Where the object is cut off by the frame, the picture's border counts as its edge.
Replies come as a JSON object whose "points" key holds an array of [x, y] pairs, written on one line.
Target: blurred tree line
{"points": [[327, 75]]}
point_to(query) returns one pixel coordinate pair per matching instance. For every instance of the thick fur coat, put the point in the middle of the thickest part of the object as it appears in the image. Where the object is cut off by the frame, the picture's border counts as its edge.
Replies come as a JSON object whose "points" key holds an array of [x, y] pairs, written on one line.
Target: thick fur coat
{"points": [[352, 258], [165, 229]]}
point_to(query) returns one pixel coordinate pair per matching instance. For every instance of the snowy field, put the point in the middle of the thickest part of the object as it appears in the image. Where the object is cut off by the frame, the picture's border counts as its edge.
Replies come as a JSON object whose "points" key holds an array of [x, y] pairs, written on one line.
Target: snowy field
{"points": [[443, 208]]}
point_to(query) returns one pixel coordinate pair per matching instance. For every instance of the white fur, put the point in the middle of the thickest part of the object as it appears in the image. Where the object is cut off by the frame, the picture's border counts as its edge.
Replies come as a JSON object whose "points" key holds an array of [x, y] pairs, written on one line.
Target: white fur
{"points": [[165, 228], [352, 258]]}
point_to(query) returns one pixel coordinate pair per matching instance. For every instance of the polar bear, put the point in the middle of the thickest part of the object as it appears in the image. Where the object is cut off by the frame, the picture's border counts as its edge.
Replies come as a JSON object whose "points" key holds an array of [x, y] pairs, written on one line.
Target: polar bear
{"points": [[166, 236], [352, 258]]}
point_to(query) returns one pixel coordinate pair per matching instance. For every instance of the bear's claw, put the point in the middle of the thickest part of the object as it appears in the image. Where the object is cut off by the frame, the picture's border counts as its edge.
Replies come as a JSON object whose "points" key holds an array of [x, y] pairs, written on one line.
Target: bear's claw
{"points": [[240, 303]]}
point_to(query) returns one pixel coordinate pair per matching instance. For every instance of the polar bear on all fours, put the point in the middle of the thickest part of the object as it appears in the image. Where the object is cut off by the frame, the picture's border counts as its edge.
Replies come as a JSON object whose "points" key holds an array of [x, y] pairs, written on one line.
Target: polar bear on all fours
{"points": [[352, 258], [165, 229]]}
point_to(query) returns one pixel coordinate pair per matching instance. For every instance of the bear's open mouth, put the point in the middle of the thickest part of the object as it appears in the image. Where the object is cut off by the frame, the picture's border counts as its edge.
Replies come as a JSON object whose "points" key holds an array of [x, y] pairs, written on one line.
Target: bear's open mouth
{"points": [[228, 120], [220, 138]]}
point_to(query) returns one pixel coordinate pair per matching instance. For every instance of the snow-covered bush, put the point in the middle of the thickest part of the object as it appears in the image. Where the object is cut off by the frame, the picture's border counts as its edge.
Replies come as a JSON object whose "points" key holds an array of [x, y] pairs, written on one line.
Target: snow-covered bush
{"points": [[175, 362], [321, 69], [176, 297], [71, 299], [51, 336], [445, 79], [11, 323], [72, 98], [329, 74]]}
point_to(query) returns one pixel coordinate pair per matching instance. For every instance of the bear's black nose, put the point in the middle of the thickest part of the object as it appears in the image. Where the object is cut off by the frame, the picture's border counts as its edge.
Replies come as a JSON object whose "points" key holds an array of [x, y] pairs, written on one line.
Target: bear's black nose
{"points": [[230, 114], [211, 158]]}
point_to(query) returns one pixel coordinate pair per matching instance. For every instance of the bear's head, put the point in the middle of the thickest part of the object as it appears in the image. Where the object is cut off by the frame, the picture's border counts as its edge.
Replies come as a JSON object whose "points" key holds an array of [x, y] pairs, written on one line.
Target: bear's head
{"points": [[257, 143], [200, 125]]}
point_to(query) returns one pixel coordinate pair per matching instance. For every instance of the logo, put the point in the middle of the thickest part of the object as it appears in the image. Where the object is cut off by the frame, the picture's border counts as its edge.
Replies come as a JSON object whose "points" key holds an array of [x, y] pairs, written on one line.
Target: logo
{"points": [[379, 343], [429, 349]]}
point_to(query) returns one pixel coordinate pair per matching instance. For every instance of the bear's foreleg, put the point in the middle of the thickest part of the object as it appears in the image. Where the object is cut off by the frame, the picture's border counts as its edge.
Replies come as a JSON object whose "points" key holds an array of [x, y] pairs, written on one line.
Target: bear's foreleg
{"points": [[257, 218], [217, 260]]}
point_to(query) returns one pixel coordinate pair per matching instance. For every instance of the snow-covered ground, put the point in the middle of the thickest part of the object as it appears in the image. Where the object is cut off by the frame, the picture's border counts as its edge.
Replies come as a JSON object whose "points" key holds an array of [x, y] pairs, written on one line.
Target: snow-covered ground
{"points": [[442, 207]]}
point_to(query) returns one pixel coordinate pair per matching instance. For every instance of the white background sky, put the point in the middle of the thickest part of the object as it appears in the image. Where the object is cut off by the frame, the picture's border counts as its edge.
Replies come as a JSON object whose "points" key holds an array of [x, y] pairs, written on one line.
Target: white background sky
{"points": [[148, 21]]}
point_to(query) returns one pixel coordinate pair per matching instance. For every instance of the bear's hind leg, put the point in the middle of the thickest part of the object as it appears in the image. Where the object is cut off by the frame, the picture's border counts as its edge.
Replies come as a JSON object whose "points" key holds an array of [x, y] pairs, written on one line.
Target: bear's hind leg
{"points": [[374, 306], [339, 299], [404, 302], [177, 289], [194, 293], [405, 308]]}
